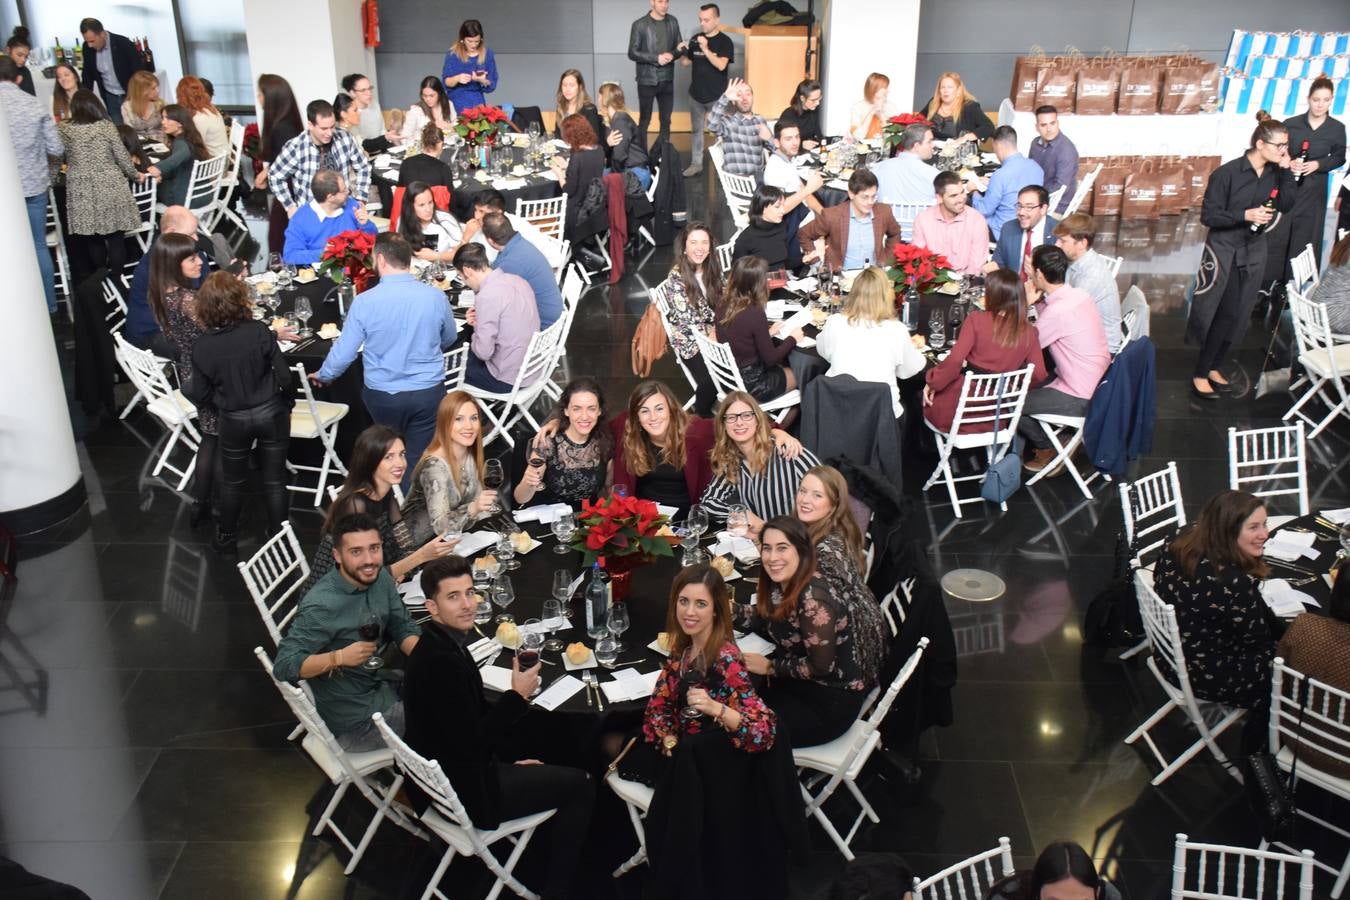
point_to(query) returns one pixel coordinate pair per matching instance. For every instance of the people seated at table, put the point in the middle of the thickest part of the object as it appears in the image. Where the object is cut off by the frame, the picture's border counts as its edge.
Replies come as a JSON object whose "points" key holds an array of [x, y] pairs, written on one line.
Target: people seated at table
{"points": [[141, 109], [1030, 227], [400, 327], [293, 171], [996, 339], [766, 235], [448, 492], [825, 659], [450, 720], [491, 200], [867, 340], [1063, 871], [576, 462], [330, 213], [1091, 272], [348, 115], [370, 121], [174, 171], [782, 171], [67, 82], [746, 468], [624, 145], [324, 640], [952, 228], [18, 48], [908, 177], [997, 194], [693, 293], [1315, 645], [1052, 150], [433, 234], [191, 95], [804, 112], [856, 234], [517, 256], [470, 68], [1333, 291], [280, 124], [745, 134], [238, 369], [955, 113], [427, 166], [433, 107], [745, 328], [1211, 575], [141, 329], [868, 117], [585, 165], [1069, 328], [572, 98], [504, 318]]}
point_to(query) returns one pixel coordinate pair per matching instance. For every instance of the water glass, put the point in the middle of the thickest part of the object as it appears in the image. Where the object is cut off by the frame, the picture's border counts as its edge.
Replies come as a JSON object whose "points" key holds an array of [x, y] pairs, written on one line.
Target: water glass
{"points": [[553, 620], [606, 649], [618, 622], [562, 586], [454, 527], [503, 593], [563, 527], [506, 553], [738, 520], [482, 613], [937, 330], [303, 311]]}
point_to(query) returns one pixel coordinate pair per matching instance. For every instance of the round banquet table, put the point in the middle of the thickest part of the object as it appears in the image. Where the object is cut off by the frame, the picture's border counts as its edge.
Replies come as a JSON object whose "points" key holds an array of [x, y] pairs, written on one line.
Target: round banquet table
{"points": [[1308, 575], [533, 186]]}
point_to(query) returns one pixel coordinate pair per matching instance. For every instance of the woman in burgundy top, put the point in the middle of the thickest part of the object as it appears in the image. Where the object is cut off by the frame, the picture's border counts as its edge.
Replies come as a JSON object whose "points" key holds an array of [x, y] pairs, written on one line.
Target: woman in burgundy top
{"points": [[997, 339], [745, 327]]}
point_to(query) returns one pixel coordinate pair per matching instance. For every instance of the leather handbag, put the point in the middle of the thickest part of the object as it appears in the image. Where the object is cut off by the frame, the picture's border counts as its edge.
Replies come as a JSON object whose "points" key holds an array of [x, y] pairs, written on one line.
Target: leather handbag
{"points": [[649, 342], [1003, 477], [1272, 797]]}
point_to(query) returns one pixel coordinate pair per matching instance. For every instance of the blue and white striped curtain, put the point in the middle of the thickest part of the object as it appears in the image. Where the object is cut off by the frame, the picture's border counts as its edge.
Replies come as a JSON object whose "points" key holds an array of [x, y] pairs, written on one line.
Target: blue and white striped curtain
{"points": [[1274, 70]]}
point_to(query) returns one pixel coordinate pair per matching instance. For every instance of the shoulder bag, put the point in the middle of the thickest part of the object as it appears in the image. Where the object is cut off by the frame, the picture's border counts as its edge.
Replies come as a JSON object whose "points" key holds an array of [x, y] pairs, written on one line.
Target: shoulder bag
{"points": [[1004, 476]]}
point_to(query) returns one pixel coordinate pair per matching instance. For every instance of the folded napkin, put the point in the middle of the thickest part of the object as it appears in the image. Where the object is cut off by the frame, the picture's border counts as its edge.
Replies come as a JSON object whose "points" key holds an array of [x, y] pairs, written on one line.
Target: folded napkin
{"points": [[667, 511], [809, 283], [753, 643], [559, 692], [1291, 545], [411, 590], [475, 541], [549, 174], [1339, 516], [496, 677], [630, 684], [544, 514], [743, 549], [509, 184], [286, 346], [1284, 600], [484, 649]]}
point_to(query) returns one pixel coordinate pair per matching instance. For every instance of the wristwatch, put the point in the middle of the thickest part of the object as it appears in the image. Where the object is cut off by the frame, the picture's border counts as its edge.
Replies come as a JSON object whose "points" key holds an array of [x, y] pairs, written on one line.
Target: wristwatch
{"points": [[669, 741]]}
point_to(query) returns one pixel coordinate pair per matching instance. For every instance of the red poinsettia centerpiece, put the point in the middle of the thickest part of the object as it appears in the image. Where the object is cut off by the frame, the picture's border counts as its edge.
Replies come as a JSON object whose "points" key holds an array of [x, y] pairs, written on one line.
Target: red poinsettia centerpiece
{"points": [[483, 124], [896, 125], [349, 255], [918, 268], [626, 531]]}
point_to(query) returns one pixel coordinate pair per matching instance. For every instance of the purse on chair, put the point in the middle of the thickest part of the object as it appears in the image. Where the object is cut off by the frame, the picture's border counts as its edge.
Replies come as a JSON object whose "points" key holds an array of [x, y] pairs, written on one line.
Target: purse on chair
{"points": [[1004, 476], [1270, 796]]}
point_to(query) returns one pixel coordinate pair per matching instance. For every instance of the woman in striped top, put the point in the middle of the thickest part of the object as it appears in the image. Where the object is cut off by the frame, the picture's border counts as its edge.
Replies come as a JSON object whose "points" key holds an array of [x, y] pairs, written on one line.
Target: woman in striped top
{"points": [[745, 467]]}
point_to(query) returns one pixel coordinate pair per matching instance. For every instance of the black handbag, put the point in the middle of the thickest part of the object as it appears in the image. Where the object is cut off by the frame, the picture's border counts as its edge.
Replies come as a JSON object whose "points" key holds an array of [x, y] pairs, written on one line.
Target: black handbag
{"points": [[1272, 797]]}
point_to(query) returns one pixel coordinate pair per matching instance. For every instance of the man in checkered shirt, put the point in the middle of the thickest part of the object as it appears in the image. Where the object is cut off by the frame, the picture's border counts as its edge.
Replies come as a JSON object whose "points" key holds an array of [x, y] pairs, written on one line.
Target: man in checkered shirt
{"points": [[745, 135], [321, 146]]}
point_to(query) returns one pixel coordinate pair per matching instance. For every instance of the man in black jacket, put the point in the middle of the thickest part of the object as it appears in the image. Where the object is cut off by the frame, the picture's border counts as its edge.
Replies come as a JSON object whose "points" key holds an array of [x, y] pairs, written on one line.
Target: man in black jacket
{"points": [[449, 720], [109, 60], [654, 44]]}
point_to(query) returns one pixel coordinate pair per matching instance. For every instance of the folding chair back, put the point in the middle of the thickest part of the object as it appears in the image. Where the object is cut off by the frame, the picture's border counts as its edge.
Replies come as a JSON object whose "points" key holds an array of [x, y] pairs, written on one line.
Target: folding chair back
{"points": [[1264, 462], [1221, 872], [1326, 721], [229, 178], [895, 605], [56, 245], [1151, 507], [1057, 195], [970, 879], [456, 363], [144, 194], [738, 189], [991, 399], [313, 419], [1325, 361], [724, 252], [660, 297], [115, 306], [174, 412], [506, 409], [726, 376], [202, 186], [1081, 192], [572, 287], [1160, 624], [906, 213], [302, 707], [548, 215], [1304, 267], [1114, 263], [274, 576]]}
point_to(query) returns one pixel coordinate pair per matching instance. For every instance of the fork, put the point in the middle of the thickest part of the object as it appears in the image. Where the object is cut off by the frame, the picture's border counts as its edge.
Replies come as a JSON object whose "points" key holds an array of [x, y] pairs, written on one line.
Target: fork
{"points": [[595, 686]]}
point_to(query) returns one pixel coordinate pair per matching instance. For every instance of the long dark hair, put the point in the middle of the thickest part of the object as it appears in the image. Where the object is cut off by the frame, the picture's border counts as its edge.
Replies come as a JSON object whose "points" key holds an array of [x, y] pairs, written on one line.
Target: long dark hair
{"points": [[747, 285], [1058, 862], [86, 108], [60, 101], [636, 442], [190, 133], [799, 581], [711, 292], [166, 269], [1215, 534], [804, 89], [367, 454], [467, 29], [585, 385], [408, 225], [1005, 299], [279, 108], [132, 141], [431, 81], [721, 632]]}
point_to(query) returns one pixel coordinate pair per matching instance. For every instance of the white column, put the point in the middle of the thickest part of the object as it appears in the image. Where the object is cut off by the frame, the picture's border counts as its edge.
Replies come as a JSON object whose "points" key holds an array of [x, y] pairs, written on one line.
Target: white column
{"points": [[311, 43], [40, 481], [861, 37]]}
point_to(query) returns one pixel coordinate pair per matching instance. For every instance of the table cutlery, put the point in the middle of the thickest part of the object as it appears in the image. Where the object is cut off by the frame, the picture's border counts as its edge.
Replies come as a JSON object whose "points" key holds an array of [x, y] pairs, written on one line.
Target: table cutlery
{"points": [[587, 681]]}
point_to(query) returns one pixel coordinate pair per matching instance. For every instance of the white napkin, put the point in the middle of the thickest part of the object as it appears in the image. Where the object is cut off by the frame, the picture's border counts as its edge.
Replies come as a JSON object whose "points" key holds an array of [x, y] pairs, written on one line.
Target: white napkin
{"points": [[544, 514], [509, 184], [496, 677], [286, 346], [543, 626], [630, 684], [474, 541], [412, 592], [484, 649], [1291, 545], [549, 174], [753, 643], [382, 160], [800, 319], [559, 692], [1339, 516], [667, 511], [743, 549], [809, 283], [1284, 600], [806, 343]]}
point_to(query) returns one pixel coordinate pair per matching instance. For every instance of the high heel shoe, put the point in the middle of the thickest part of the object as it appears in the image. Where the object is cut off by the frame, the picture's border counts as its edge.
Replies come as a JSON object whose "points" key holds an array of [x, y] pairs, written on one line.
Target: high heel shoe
{"points": [[225, 544], [201, 511]]}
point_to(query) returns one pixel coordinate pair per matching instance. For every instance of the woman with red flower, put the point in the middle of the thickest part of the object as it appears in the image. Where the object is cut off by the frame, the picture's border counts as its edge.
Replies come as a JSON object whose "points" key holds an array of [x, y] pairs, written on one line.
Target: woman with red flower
{"points": [[575, 464]]}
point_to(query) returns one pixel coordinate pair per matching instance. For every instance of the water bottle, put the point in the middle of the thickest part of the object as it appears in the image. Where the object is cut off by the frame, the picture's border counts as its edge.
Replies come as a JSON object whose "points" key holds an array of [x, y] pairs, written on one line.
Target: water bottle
{"points": [[597, 601]]}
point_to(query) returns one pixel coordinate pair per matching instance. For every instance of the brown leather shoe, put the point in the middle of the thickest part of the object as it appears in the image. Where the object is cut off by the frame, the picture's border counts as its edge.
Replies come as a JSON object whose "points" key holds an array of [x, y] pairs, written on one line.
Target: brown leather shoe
{"points": [[1042, 459]]}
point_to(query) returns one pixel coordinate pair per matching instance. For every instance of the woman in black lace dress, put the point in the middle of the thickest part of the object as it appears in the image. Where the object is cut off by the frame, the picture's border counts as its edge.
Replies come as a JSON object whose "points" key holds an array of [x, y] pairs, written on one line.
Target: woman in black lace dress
{"points": [[576, 463]]}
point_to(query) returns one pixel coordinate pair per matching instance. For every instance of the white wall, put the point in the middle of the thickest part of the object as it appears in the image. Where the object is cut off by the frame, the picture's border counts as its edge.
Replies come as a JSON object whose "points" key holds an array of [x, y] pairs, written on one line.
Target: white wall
{"points": [[311, 43], [861, 37]]}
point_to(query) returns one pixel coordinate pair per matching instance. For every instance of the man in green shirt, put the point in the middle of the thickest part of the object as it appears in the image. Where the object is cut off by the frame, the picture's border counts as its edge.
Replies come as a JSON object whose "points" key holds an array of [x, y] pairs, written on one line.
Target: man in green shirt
{"points": [[324, 645]]}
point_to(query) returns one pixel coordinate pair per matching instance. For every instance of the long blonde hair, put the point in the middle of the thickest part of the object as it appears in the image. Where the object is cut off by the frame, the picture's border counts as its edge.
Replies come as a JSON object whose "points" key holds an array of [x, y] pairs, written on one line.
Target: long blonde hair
{"points": [[560, 102], [726, 456], [137, 88], [870, 301], [963, 96], [442, 441], [635, 439], [840, 518]]}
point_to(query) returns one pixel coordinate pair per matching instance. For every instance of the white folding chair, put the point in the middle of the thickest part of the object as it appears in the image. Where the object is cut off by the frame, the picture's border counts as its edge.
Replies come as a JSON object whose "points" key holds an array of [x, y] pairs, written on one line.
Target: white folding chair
{"points": [[905, 213], [202, 186], [895, 605], [456, 363], [1151, 507], [1057, 195], [726, 376], [969, 879], [345, 770], [1324, 728], [1057, 428], [1221, 872], [557, 251], [1326, 363], [1083, 190], [637, 798], [660, 297], [335, 489], [724, 252], [651, 198], [826, 766], [548, 215], [1134, 315], [316, 420], [144, 195], [1160, 621], [165, 403], [56, 245], [737, 189], [1304, 267], [504, 410], [995, 399], [229, 179], [1114, 264], [1273, 457], [273, 576], [115, 306], [447, 818]]}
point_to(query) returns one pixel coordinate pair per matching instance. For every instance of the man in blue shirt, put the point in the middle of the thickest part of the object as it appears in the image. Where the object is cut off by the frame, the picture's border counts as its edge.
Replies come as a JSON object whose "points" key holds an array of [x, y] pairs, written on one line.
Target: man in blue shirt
{"points": [[141, 329], [401, 327], [330, 213], [1056, 155], [517, 256], [908, 177], [997, 201]]}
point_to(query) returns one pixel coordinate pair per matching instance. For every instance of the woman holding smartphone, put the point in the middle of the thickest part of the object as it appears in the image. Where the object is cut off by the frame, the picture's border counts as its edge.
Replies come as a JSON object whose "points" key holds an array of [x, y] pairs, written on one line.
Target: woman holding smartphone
{"points": [[470, 69]]}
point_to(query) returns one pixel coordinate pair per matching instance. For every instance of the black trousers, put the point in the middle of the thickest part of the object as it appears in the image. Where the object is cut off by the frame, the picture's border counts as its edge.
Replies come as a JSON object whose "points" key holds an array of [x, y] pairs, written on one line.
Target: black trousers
{"points": [[1227, 318], [705, 392], [269, 425], [664, 94], [810, 713], [91, 252], [531, 789]]}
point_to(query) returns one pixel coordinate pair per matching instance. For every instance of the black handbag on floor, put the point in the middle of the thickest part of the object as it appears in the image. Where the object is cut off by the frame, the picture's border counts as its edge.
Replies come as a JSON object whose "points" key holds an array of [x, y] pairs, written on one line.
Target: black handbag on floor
{"points": [[1271, 796]]}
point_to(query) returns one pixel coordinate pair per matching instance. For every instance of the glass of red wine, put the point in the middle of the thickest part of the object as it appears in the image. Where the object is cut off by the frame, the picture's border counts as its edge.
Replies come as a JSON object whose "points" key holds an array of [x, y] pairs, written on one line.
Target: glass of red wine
{"points": [[527, 651], [693, 673], [369, 630], [494, 476]]}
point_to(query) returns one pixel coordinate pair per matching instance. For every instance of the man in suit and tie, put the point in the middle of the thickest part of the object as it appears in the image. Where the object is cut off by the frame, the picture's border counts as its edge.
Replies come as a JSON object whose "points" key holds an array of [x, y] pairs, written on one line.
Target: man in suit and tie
{"points": [[855, 234], [1020, 237], [448, 719]]}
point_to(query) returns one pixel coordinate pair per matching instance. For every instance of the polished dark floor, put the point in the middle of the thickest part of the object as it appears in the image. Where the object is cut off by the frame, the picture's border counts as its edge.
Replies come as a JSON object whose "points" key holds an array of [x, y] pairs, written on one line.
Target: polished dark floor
{"points": [[145, 755]]}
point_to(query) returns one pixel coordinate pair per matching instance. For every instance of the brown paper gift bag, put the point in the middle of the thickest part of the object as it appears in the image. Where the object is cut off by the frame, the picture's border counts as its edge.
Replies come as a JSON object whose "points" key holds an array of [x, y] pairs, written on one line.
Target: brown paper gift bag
{"points": [[1098, 88], [1057, 85], [1109, 191], [1026, 78], [1201, 168], [1139, 85], [1139, 199], [1174, 186]]}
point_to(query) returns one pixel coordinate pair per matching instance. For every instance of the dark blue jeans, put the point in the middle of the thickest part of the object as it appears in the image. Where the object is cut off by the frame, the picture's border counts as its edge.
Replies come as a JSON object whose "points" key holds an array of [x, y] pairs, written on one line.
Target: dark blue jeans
{"points": [[476, 373], [410, 413]]}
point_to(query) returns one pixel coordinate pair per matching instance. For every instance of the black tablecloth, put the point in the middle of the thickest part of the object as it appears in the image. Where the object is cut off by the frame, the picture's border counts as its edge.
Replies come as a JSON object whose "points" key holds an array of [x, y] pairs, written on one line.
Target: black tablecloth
{"points": [[1327, 543], [385, 179]]}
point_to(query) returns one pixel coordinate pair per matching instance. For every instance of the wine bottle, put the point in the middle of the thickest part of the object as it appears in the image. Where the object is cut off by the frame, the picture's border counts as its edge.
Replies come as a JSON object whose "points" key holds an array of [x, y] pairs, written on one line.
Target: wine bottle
{"points": [[58, 52], [1269, 204], [1302, 157], [149, 56], [77, 56]]}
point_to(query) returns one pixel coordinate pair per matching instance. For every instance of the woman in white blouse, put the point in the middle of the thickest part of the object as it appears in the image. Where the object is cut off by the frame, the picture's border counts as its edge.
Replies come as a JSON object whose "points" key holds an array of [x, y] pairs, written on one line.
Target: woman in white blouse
{"points": [[432, 106], [192, 96], [866, 340], [869, 115]]}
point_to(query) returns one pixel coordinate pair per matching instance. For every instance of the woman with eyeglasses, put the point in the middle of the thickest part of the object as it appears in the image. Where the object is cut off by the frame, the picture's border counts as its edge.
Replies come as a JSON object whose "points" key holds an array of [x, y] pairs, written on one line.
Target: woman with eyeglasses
{"points": [[470, 68], [747, 470], [804, 112]]}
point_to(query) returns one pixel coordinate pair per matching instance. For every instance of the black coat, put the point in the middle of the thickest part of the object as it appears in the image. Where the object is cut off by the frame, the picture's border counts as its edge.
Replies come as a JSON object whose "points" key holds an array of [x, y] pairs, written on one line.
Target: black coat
{"points": [[126, 60], [669, 199], [842, 416], [95, 364]]}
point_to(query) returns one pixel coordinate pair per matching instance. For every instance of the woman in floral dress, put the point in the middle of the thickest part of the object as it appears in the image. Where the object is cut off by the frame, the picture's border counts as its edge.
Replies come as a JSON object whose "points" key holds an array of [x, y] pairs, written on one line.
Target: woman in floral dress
{"points": [[694, 292]]}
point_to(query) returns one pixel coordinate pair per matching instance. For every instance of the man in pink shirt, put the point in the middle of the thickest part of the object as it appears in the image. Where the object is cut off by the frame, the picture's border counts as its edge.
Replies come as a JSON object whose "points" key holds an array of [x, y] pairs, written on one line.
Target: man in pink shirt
{"points": [[504, 318], [953, 228], [1070, 328]]}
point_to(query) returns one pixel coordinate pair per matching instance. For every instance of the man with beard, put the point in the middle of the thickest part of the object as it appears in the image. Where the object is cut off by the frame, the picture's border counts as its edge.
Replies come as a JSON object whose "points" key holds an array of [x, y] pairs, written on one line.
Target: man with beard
{"points": [[324, 645]]}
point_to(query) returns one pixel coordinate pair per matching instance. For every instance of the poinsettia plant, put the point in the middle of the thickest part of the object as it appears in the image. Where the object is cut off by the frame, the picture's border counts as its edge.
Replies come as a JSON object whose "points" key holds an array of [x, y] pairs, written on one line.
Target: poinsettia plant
{"points": [[919, 268], [350, 255], [617, 527], [482, 124], [896, 125]]}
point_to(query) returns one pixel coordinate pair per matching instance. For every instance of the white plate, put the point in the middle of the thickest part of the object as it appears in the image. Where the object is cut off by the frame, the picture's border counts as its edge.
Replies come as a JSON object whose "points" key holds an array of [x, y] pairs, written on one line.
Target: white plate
{"points": [[534, 545], [590, 662]]}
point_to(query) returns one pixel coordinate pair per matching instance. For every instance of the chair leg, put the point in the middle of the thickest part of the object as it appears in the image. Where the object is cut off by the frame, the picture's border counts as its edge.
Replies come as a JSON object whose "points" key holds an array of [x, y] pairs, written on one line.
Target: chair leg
{"points": [[433, 886], [1135, 650], [826, 824], [503, 870], [862, 801], [381, 809], [326, 819]]}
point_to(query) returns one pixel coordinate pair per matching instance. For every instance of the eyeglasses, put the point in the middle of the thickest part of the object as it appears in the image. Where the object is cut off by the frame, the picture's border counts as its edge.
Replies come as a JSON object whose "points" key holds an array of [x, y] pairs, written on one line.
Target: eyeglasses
{"points": [[1028, 207], [1278, 146], [733, 418]]}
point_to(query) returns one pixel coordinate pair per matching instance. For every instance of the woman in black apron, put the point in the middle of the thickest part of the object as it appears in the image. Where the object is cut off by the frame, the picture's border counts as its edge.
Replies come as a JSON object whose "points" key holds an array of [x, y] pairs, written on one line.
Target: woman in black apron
{"points": [[1325, 140], [1234, 256]]}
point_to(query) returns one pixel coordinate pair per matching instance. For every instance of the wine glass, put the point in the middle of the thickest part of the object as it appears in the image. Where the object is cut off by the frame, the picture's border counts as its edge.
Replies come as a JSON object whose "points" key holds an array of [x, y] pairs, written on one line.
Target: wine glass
{"points": [[533, 131], [618, 623], [303, 311], [506, 553], [462, 163], [494, 476], [562, 586], [482, 613], [563, 527], [274, 263], [527, 651], [606, 649], [553, 620], [693, 672], [286, 277], [937, 330], [370, 629], [503, 594], [738, 520], [454, 527]]}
